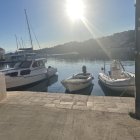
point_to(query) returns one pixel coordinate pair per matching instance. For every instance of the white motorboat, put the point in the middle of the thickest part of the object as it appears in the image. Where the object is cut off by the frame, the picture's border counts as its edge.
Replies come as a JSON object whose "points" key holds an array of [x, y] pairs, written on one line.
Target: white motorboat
{"points": [[78, 81], [27, 72], [118, 79]]}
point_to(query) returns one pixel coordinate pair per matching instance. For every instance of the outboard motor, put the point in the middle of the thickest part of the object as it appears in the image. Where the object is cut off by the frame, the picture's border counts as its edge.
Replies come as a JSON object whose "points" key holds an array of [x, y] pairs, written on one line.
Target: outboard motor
{"points": [[84, 70]]}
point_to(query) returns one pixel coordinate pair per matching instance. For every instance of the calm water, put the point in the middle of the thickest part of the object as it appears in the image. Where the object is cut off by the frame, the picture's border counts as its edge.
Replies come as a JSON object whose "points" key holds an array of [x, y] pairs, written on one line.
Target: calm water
{"points": [[67, 68]]}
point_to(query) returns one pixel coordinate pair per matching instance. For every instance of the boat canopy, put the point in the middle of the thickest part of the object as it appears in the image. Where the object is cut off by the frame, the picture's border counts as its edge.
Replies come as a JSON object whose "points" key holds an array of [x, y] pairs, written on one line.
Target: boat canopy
{"points": [[116, 69]]}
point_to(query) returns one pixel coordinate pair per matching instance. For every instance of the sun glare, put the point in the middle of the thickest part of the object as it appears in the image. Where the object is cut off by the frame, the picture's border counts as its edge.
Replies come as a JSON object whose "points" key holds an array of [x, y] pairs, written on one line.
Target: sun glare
{"points": [[75, 9]]}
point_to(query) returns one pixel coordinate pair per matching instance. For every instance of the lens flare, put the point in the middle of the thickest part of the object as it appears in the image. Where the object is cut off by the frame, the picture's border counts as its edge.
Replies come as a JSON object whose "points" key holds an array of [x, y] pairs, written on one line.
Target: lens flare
{"points": [[75, 9]]}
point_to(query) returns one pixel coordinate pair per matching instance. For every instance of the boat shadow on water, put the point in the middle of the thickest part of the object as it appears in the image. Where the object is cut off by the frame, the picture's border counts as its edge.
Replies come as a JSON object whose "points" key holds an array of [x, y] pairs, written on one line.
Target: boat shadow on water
{"points": [[109, 92], [41, 86], [85, 91]]}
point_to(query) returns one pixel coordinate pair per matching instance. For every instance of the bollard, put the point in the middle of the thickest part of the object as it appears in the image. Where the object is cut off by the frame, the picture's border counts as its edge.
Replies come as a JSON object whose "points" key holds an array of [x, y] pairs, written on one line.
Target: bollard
{"points": [[2, 86]]}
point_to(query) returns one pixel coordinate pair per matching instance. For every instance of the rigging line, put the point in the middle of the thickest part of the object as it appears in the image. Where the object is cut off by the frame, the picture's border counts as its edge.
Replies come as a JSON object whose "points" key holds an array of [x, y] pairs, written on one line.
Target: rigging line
{"points": [[122, 66], [36, 37], [29, 29]]}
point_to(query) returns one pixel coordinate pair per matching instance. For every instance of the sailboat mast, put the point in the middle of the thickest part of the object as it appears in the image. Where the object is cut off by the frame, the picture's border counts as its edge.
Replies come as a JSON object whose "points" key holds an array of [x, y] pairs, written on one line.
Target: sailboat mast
{"points": [[29, 29]]}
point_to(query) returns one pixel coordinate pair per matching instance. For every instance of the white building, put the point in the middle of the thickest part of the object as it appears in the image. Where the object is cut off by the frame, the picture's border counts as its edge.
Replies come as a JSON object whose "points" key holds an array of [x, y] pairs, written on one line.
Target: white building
{"points": [[2, 54]]}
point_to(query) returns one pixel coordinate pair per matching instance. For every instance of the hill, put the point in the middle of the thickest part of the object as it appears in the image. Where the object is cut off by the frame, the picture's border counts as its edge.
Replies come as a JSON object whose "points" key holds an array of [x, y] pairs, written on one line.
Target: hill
{"points": [[116, 46]]}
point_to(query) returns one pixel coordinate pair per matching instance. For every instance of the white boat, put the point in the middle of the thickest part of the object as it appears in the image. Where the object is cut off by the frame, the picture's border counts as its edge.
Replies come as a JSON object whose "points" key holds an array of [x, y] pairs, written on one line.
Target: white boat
{"points": [[118, 79], [27, 72], [77, 82]]}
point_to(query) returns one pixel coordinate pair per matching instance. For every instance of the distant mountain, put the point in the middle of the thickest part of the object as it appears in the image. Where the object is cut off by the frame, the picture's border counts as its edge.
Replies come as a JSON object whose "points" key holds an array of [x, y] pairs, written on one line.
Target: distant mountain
{"points": [[117, 46]]}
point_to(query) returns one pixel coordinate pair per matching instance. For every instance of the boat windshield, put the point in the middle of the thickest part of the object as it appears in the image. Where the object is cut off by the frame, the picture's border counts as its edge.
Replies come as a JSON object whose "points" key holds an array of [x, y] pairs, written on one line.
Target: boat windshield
{"points": [[25, 64], [16, 66]]}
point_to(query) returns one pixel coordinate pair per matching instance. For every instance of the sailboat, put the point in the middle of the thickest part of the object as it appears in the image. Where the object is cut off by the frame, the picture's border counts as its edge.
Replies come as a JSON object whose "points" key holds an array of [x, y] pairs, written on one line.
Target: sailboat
{"points": [[29, 71], [22, 53]]}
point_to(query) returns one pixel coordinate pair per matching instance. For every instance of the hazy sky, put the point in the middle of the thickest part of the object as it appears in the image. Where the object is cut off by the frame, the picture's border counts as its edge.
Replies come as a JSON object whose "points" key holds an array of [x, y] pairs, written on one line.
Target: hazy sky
{"points": [[52, 25]]}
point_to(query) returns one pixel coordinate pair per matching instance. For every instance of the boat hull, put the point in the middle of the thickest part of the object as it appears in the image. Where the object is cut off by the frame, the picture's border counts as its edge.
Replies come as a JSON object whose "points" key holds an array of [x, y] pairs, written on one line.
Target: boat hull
{"points": [[36, 75], [76, 84], [23, 80]]}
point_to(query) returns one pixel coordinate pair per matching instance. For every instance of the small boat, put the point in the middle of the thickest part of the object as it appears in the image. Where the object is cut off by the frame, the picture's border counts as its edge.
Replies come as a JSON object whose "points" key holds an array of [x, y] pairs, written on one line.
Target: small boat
{"points": [[27, 72], [78, 81], [118, 79]]}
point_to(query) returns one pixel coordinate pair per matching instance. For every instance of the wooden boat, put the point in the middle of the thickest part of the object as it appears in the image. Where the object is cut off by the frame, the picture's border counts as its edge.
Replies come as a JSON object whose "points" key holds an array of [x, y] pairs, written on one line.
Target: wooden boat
{"points": [[118, 79], [77, 82]]}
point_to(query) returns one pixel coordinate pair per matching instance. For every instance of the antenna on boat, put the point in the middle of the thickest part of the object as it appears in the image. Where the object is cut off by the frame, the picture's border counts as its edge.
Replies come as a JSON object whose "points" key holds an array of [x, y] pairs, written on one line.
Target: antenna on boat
{"points": [[19, 45], [22, 42], [104, 66], [29, 29], [16, 42]]}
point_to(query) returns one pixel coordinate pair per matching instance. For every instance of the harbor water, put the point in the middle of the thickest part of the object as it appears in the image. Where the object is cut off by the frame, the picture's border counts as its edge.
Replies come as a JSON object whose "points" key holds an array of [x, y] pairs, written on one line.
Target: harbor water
{"points": [[68, 67]]}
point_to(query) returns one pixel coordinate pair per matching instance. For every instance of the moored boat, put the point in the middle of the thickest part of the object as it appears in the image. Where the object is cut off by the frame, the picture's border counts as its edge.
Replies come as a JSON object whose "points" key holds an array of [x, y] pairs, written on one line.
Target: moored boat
{"points": [[118, 79], [78, 81], [29, 68], [27, 72]]}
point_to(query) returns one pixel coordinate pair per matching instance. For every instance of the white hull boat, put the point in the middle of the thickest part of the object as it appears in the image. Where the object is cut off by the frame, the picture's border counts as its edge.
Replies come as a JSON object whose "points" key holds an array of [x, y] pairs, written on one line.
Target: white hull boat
{"points": [[126, 84], [27, 72], [77, 82], [118, 79]]}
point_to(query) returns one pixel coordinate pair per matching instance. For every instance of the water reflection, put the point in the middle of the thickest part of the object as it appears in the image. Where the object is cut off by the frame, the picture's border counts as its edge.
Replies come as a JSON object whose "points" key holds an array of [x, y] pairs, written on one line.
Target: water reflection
{"points": [[85, 91]]}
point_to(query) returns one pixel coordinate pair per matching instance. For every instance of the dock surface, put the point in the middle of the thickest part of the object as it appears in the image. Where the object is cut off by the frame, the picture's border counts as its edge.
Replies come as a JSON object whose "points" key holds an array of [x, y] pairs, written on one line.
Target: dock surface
{"points": [[44, 116]]}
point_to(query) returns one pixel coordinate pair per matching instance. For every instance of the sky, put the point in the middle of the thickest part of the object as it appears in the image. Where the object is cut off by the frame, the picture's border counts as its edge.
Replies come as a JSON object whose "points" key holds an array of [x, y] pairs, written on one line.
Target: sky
{"points": [[52, 25]]}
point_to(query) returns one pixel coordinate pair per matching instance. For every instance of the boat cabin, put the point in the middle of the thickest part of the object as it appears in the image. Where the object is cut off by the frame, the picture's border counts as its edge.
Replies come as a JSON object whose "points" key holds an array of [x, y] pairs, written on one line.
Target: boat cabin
{"points": [[25, 67], [16, 57], [117, 70]]}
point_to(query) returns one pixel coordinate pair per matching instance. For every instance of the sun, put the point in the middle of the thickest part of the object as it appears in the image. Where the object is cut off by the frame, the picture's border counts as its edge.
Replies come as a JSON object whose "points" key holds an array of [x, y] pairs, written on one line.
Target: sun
{"points": [[75, 9]]}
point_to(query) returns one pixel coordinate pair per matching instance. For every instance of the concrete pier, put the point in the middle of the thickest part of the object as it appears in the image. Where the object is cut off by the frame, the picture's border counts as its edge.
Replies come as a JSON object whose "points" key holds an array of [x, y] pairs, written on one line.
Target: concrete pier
{"points": [[44, 116]]}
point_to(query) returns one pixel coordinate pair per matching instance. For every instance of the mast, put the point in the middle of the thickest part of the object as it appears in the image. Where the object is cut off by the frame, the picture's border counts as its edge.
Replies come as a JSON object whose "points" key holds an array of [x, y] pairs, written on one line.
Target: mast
{"points": [[16, 41], [31, 42]]}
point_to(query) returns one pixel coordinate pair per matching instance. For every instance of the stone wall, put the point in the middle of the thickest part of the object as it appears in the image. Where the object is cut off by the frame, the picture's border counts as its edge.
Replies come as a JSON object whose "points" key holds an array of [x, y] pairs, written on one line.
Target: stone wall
{"points": [[2, 86]]}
